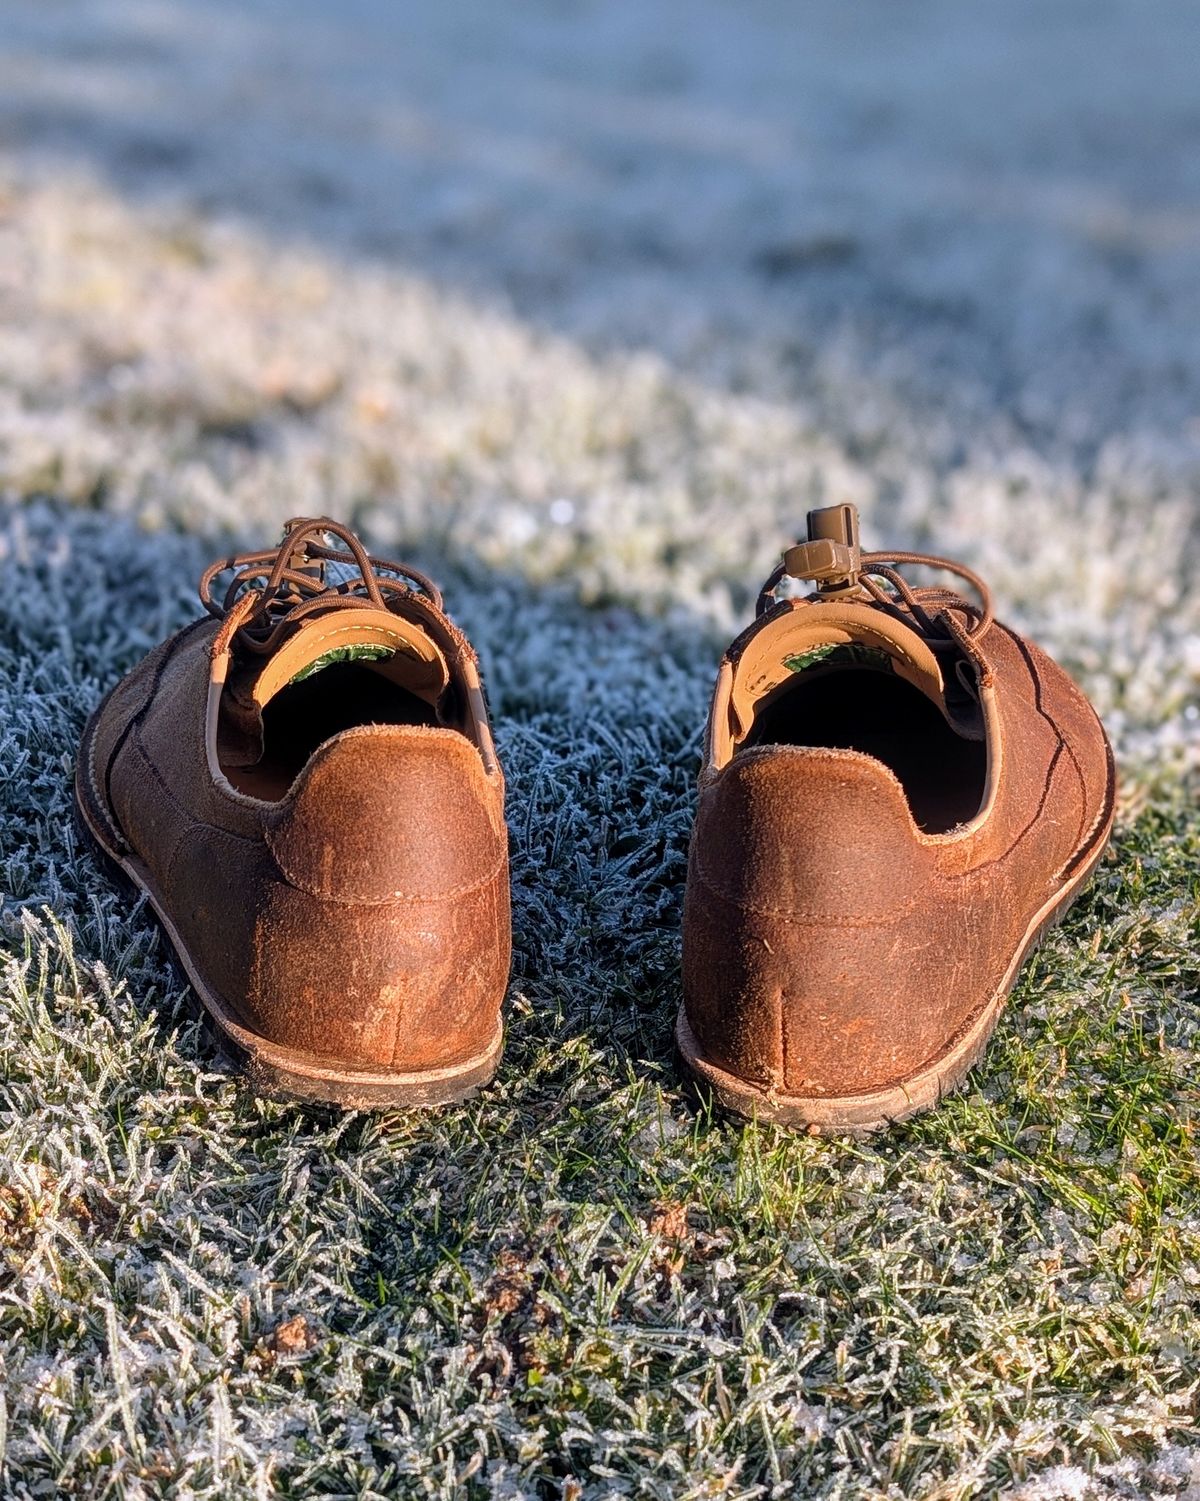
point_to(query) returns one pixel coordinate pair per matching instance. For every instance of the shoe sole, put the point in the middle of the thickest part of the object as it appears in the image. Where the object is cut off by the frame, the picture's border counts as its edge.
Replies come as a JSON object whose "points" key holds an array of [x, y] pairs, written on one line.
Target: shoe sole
{"points": [[861, 1114], [268, 1067]]}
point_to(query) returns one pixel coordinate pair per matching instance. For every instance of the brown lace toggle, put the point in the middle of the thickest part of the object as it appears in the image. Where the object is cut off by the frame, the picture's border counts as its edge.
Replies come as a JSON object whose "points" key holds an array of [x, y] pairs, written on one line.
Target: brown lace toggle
{"points": [[831, 558], [273, 590]]}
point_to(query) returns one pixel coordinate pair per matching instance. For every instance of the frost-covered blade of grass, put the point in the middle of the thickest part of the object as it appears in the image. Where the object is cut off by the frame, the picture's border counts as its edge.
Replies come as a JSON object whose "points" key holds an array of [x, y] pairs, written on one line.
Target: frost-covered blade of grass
{"points": [[580, 1284]]}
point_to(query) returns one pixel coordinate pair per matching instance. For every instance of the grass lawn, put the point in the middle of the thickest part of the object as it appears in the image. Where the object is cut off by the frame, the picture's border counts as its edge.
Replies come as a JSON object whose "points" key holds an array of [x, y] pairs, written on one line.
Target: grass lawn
{"points": [[582, 1284]]}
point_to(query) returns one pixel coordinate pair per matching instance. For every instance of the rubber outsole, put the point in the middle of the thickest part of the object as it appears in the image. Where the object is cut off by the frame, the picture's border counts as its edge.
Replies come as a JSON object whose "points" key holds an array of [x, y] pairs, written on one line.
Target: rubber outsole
{"points": [[268, 1067]]}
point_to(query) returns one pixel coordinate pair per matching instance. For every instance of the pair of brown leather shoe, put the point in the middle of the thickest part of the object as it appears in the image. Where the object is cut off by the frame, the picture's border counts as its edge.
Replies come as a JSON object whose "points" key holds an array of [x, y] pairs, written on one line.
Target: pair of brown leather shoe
{"points": [[898, 794]]}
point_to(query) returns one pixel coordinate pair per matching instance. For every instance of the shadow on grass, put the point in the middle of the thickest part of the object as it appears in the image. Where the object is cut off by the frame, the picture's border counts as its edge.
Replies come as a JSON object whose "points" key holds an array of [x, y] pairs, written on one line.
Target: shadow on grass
{"points": [[580, 1242]]}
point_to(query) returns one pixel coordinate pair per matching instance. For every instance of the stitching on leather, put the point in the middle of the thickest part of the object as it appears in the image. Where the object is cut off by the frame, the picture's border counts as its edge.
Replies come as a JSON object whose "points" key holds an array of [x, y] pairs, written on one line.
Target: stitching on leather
{"points": [[347, 630], [1086, 830], [265, 842], [1083, 787], [99, 806], [191, 822], [198, 827], [1030, 652], [186, 813], [131, 734], [168, 649], [791, 914], [91, 764], [286, 881], [893, 648], [999, 859], [1084, 835], [1104, 812], [1061, 745], [897, 648], [397, 898], [136, 741]]}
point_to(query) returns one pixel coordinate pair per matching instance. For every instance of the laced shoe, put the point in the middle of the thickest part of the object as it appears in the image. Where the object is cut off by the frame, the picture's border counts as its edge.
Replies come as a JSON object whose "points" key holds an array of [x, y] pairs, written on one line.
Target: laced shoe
{"points": [[304, 785], [898, 795]]}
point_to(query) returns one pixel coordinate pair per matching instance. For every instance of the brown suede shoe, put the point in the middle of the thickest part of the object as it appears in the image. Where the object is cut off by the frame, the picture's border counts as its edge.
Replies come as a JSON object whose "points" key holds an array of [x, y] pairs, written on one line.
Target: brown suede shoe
{"points": [[304, 785], [898, 796]]}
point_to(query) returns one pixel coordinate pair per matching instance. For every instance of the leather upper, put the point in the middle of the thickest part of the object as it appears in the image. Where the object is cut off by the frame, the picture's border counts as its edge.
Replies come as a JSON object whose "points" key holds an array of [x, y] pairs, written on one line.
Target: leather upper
{"points": [[832, 947], [364, 917]]}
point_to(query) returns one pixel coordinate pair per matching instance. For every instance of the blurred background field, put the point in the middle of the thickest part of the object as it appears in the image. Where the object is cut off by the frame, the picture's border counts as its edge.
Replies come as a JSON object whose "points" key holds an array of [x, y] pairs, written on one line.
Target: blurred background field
{"points": [[582, 306]]}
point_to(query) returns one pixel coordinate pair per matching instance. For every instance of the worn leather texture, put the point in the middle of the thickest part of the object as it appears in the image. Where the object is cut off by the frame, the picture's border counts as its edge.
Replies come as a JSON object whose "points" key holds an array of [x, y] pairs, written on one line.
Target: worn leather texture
{"points": [[833, 948], [364, 918]]}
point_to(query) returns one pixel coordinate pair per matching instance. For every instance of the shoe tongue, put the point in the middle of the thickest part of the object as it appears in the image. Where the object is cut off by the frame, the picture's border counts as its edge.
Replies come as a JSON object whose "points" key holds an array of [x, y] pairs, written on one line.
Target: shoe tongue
{"points": [[390, 644], [810, 635]]}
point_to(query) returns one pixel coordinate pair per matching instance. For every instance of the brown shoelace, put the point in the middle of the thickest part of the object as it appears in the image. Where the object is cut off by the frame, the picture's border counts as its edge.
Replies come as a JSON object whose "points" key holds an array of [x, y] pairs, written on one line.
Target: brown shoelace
{"points": [[930, 612], [273, 590]]}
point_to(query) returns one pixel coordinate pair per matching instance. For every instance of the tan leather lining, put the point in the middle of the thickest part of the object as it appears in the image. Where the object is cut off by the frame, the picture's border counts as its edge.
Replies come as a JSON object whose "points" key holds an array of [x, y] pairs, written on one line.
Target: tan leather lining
{"points": [[761, 666], [418, 663]]}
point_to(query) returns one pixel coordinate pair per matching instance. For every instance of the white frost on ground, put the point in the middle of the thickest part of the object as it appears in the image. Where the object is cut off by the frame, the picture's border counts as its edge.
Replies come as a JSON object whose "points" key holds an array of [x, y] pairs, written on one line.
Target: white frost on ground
{"points": [[582, 306]]}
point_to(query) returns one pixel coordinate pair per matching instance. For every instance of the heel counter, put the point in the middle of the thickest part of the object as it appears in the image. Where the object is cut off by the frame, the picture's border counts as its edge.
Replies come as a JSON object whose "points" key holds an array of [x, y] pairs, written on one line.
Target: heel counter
{"points": [[387, 936], [782, 908], [405, 985], [390, 813]]}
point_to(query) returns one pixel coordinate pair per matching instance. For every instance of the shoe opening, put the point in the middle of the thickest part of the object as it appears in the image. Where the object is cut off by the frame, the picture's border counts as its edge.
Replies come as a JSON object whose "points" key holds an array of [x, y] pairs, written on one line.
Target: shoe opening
{"points": [[313, 709], [343, 672], [860, 707]]}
